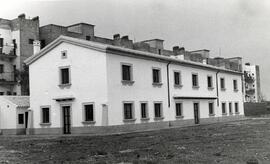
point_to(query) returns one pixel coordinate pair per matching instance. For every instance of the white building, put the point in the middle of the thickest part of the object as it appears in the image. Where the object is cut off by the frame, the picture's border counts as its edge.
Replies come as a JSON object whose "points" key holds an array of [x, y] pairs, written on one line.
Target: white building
{"points": [[13, 114], [252, 83], [80, 86]]}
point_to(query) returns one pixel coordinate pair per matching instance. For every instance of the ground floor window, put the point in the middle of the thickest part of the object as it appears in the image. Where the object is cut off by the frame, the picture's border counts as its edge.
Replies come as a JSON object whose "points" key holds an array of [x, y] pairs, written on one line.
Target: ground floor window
{"points": [[223, 106], [89, 112], [211, 108], [144, 110], [236, 107], [45, 114], [21, 118], [158, 110], [178, 109], [128, 111], [230, 108]]}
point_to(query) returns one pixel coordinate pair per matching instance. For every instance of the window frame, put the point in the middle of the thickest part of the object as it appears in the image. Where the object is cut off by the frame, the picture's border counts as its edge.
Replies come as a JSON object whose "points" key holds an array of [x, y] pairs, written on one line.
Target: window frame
{"points": [[180, 79], [159, 76], [235, 87], [182, 114], [213, 108], [60, 76], [131, 81], [41, 115], [2, 68], [133, 119], [212, 84], [147, 110], [230, 106], [197, 80], [222, 88], [225, 108], [236, 104], [23, 119], [84, 113], [161, 110]]}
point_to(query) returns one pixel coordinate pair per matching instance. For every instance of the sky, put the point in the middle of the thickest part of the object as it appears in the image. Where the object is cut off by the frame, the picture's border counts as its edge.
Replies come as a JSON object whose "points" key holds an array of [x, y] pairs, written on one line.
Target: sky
{"points": [[227, 28]]}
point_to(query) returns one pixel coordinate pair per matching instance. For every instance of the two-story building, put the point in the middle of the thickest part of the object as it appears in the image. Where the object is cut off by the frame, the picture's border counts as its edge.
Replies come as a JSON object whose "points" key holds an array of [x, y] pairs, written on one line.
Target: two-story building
{"points": [[80, 86]]}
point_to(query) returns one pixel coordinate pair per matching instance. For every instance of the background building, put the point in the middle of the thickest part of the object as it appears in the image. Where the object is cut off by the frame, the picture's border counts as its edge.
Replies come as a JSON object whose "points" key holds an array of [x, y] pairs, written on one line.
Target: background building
{"points": [[252, 83], [16, 45]]}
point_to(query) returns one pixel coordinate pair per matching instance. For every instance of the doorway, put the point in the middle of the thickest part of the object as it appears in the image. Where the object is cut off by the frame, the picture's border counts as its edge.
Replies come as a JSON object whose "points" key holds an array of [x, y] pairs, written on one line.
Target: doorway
{"points": [[196, 113], [66, 119]]}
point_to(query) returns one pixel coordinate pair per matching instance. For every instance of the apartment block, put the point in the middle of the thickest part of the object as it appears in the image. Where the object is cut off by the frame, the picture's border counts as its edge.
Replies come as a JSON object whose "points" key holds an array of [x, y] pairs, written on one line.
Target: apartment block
{"points": [[252, 83], [16, 45]]}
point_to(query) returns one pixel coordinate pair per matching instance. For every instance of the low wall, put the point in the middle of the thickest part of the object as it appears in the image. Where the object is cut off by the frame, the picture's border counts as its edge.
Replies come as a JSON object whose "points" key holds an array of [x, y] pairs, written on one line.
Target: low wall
{"points": [[100, 130], [256, 109]]}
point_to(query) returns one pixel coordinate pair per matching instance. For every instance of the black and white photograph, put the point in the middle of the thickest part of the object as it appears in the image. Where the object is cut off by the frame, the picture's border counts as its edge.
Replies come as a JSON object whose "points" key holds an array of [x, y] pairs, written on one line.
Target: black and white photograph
{"points": [[135, 81]]}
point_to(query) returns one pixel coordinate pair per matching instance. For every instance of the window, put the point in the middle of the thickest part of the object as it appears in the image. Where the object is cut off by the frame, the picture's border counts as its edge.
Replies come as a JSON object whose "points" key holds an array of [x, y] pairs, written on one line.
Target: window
{"points": [[1, 68], [236, 108], [235, 86], [156, 75], [87, 37], [88, 112], [230, 107], [1, 93], [1, 42], [144, 111], [64, 54], [178, 109], [65, 76], [21, 118], [42, 43], [177, 78], [158, 110], [128, 111], [126, 72], [45, 115], [222, 83], [211, 108], [30, 41], [223, 106], [195, 82], [209, 81], [159, 51]]}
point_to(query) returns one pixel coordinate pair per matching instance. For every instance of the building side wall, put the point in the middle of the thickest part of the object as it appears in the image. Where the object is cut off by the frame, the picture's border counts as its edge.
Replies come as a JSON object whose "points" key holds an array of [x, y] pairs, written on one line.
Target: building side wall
{"points": [[8, 115], [88, 84]]}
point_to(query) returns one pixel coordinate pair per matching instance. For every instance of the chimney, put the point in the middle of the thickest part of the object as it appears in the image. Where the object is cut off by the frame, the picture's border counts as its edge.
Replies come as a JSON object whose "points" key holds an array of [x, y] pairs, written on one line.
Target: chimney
{"points": [[35, 18], [36, 47], [179, 52], [22, 16], [116, 36]]}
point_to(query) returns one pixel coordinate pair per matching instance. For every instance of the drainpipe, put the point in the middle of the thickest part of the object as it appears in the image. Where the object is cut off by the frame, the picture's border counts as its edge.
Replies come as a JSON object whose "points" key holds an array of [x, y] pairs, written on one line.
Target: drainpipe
{"points": [[217, 87], [168, 85]]}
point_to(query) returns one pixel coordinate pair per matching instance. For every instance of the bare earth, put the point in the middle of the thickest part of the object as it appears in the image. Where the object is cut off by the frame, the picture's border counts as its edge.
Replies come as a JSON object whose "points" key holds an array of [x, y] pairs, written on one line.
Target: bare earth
{"points": [[234, 142]]}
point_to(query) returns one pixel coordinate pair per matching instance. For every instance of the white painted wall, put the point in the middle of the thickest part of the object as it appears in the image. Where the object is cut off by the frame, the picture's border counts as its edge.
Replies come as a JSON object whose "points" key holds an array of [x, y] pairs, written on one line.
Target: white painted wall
{"points": [[7, 115], [88, 83]]}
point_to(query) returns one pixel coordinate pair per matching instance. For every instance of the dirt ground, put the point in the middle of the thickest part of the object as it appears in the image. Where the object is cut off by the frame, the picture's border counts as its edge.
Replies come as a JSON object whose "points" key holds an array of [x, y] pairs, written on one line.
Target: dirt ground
{"points": [[232, 143]]}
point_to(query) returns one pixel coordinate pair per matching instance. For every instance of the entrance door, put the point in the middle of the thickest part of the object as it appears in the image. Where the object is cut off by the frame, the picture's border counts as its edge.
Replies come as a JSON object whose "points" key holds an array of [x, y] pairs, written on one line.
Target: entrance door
{"points": [[26, 120], [66, 119], [196, 113]]}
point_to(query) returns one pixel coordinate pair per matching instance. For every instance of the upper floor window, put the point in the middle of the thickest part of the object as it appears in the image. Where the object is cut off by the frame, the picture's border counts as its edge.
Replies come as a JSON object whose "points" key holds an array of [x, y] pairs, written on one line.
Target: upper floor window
{"points": [[195, 81], [235, 85], [1, 68], [45, 115], [156, 76], [30, 41], [222, 84], [211, 108], [178, 109], [177, 78], [64, 54], [209, 81], [126, 72], [88, 112], [64, 76], [128, 111]]}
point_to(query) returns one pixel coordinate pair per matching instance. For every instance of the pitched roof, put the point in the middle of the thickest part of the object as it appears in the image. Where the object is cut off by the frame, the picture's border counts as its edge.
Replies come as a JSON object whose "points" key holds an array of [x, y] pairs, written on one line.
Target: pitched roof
{"points": [[115, 49], [19, 101]]}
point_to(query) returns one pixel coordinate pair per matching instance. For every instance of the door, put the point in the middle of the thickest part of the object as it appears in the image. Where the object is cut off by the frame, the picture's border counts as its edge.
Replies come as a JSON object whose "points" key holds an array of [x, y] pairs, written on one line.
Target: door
{"points": [[196, 113], [26, 119], [66, 119]]}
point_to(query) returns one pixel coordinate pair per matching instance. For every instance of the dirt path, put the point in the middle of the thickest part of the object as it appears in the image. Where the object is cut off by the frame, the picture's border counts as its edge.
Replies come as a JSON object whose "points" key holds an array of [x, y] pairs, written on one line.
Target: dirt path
{"points": [[234, 142]]}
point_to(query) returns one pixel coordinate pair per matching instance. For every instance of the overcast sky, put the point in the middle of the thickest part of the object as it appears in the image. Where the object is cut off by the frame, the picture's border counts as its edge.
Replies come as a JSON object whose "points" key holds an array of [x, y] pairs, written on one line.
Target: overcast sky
{"points": [[227, 28]]}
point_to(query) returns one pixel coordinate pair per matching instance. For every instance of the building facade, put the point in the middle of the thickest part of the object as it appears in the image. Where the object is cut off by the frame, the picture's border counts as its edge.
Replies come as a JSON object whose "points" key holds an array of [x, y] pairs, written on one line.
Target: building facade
{"points": [[252, 83], [16, 45], [95, 88]]}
